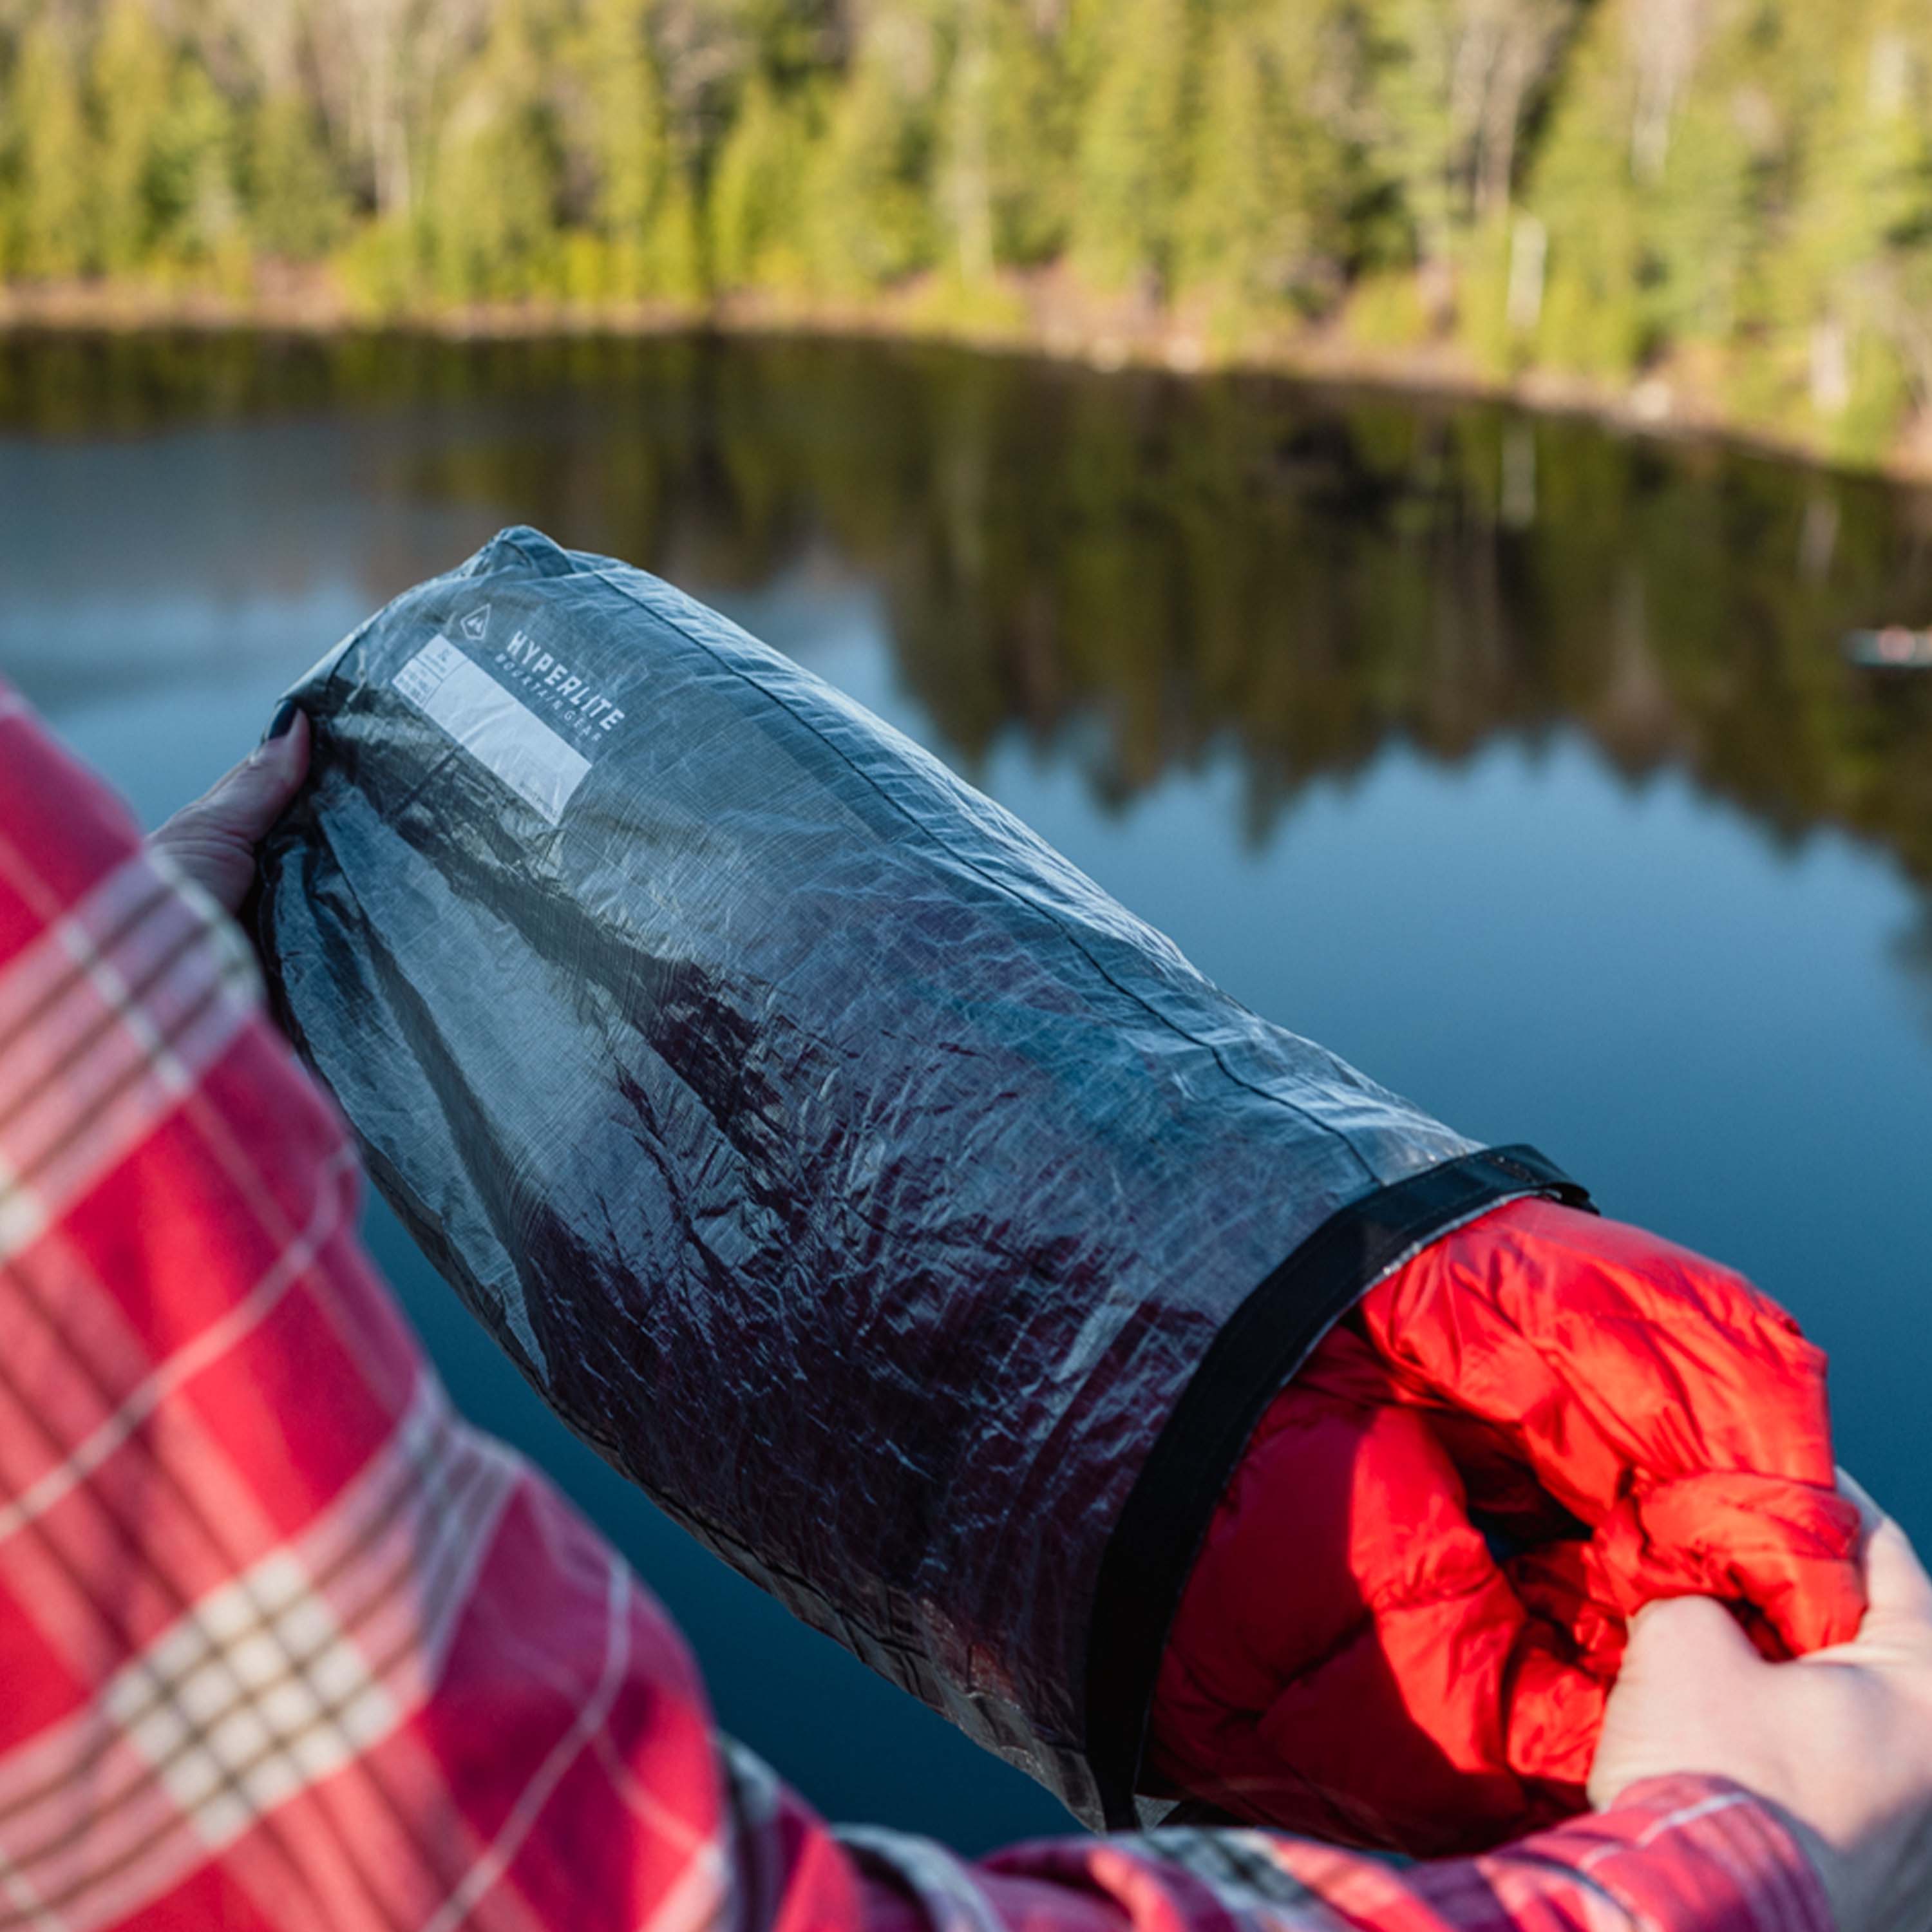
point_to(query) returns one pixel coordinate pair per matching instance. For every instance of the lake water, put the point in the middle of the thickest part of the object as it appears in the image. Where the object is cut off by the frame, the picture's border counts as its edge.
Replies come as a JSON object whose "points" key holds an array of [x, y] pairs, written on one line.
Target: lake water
{"points": [[1515, 760]]}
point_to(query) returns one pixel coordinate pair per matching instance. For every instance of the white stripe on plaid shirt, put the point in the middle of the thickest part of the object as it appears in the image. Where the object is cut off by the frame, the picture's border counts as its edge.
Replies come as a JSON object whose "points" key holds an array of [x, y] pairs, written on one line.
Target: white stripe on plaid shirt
{"points": [[333, 1203], [105, 1023], [280, 1678]]}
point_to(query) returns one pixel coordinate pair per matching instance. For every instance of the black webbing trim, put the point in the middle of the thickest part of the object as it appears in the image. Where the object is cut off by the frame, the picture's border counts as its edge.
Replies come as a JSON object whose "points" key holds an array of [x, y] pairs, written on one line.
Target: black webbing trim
{"points": [[1267, 1339]]}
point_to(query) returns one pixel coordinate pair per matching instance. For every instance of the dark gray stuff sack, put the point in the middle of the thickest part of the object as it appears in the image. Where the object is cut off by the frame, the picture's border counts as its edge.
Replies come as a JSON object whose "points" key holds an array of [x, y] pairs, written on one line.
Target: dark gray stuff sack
{"points": [[917, 1226]]}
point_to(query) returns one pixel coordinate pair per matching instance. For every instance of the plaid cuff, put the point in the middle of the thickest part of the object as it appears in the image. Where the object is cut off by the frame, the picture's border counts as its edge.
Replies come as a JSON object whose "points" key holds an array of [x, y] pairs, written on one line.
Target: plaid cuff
{"points": [[1692, 1855]]}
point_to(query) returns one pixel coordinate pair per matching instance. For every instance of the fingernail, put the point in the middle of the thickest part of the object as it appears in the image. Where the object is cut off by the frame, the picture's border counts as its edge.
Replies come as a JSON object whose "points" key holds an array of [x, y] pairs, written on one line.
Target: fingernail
{"points": [[283, 719]]}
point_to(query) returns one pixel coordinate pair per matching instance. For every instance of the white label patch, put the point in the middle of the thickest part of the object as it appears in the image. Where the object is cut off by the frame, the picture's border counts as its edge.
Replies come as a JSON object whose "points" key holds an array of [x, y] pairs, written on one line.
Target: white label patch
{"points": [[498, 730]]}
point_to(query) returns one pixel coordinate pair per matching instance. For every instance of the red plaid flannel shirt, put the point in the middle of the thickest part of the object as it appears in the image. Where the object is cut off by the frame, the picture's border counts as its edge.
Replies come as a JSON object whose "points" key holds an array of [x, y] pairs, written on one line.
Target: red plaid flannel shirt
{"points": [[285, 1645]]}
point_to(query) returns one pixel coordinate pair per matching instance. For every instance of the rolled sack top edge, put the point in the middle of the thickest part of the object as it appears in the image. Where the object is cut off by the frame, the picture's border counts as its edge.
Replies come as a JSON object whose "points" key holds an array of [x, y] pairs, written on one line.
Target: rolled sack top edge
{"points": [[1258, 1350]]}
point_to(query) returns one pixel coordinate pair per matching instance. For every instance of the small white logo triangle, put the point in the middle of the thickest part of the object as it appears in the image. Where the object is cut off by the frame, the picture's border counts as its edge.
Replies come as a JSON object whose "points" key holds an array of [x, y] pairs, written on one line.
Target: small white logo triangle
{"points": [[476, 623]]}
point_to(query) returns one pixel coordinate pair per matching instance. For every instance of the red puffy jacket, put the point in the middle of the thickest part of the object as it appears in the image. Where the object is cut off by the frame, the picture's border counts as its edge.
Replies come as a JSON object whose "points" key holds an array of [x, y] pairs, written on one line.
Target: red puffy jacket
{"points": [[1354, 1656]]}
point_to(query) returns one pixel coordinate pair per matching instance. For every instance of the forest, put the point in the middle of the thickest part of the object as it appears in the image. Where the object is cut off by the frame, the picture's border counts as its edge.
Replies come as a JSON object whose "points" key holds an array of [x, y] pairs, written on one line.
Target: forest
{"points": [[1719, 209]]}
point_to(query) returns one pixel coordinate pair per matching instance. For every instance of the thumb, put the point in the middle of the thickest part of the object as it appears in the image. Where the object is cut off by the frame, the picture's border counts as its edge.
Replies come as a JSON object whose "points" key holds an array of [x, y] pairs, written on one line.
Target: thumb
{"points": [[248, 798], [1688, 1632], [1686, 1663], [213, 841]]}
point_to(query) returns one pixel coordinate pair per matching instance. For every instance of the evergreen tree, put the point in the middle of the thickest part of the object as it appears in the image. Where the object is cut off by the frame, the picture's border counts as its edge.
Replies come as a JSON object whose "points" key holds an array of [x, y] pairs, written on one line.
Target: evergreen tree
{"points": [[297, 206], [641, 207], [1265, 220], [1132, 167], [1840, 290], [491, 214], [197, 211], [1016, 106], [756, 205], [865, 204], [1591, 318], [1651, 183], [964, 181], [52, 160], [1454, 81], [628, 147], [1417, 133], [1700, 216], [132, 73]]}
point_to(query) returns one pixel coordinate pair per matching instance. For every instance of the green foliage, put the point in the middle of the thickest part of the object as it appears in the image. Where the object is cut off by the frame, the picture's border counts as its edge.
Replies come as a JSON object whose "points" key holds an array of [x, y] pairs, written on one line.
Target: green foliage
{"points": [[757, 202], [1265, 220], [1842, 285], [866, 203], [50, 162], [297, 206], [130, 77], [1734, 196], [197, 210], [643, 242], [1590, 312], [1030, 113], [491, 213], [1130, 170], [1747, 188], [382, 268]]}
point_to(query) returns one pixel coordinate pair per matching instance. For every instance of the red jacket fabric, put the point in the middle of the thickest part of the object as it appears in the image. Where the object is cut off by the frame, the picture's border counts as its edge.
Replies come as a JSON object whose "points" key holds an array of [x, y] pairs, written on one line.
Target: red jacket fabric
{"points": [[1353, 1655], [287, 1648]]}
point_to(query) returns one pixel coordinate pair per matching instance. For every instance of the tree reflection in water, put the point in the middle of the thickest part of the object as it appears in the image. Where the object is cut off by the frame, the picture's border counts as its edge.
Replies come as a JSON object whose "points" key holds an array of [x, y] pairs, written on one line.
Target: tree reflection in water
{"points": [[1138, 571]]}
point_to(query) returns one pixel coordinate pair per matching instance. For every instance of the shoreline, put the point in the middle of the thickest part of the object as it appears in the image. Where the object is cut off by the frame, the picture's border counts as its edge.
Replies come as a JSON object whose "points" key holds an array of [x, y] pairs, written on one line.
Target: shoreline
{"points": [[1024, 319]]}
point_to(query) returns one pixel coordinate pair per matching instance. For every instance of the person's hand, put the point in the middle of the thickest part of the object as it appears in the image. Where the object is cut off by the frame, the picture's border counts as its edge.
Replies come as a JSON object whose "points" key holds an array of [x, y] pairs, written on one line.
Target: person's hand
{"points": [[1840, 1741], [213, 841], [1410, 1606]]}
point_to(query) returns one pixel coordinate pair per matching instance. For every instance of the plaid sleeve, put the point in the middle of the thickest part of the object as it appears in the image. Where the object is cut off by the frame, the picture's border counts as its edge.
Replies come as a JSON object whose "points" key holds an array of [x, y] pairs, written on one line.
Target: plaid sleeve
{"points": [[1677, 1854], [286, 1648]]}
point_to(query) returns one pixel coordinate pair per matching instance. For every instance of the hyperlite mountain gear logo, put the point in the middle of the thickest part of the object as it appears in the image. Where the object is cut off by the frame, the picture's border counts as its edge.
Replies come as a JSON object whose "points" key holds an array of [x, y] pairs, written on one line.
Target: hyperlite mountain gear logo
{"points": [[522, 711], [573, 704], [499, 730]]}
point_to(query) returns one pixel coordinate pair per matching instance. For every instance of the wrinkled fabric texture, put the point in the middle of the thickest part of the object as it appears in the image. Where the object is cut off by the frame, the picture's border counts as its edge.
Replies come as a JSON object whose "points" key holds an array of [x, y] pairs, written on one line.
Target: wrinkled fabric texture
{"points": [[851, 1170], [288, 1648], [1354, 1656]]}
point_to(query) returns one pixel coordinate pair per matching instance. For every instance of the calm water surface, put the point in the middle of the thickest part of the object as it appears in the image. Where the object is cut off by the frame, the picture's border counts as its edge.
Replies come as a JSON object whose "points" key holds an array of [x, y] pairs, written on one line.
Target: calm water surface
{"points": [[1515, 761]]}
